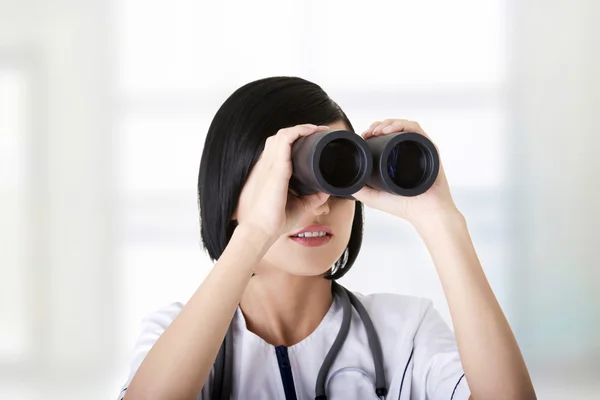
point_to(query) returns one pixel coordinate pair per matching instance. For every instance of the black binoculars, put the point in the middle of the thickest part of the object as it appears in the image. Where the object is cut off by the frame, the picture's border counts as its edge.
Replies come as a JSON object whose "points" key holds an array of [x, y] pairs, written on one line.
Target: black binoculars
{"points": [[340, 163]]}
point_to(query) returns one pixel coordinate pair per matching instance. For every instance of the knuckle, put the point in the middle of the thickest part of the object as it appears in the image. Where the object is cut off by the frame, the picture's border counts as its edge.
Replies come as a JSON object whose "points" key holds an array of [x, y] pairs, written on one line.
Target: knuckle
{"points": [[291, 131], [268, 145], [287, 133], [280, 133]]}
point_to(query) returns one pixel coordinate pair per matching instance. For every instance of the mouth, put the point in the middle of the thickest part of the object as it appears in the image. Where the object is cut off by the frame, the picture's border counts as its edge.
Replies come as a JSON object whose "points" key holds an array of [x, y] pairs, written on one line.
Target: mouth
{"points": [[313, 236]]}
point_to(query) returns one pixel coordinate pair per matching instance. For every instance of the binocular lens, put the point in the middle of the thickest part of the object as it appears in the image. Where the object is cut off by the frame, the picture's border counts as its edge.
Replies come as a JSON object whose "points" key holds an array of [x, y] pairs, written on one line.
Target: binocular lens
{"points": [[408, 164], [340, 163]]}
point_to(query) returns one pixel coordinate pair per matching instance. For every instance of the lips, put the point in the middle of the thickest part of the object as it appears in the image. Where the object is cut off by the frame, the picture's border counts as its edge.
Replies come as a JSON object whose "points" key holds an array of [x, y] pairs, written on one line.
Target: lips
{"points": [[313, 236], [315, 228], [312, 241]]}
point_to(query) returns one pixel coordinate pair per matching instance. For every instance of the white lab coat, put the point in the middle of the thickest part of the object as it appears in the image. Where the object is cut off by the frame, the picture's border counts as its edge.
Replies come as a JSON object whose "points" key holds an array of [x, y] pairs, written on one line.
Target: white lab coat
{"points": [[420, 355]]}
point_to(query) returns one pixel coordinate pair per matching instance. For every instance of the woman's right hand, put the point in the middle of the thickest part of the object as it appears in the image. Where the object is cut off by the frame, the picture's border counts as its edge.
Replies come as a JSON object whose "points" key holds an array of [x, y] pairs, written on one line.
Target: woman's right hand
{"points": [[266, 210], [265, 203]]}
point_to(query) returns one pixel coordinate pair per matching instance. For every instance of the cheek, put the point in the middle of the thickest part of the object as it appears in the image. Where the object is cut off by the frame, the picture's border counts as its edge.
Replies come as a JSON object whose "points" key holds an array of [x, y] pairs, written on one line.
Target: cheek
{"points": [[343, 213]]}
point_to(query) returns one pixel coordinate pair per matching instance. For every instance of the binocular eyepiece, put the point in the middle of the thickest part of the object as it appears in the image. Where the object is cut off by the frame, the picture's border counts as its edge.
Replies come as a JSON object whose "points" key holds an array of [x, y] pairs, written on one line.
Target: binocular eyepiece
{"points": [[340, 163]]}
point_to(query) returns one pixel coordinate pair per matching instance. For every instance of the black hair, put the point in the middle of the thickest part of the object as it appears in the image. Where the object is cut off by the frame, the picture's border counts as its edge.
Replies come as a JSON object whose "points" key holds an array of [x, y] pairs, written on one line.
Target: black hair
{"points": [[237, 136]]}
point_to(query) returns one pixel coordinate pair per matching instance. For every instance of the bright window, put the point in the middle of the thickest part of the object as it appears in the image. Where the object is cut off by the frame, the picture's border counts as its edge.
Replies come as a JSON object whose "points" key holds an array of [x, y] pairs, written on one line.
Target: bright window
{"points": [[15, 340]]}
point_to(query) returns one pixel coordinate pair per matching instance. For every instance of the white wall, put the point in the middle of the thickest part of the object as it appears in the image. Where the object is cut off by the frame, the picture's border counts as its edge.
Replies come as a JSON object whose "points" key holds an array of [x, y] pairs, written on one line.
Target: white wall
{"points": [[93, 230]]}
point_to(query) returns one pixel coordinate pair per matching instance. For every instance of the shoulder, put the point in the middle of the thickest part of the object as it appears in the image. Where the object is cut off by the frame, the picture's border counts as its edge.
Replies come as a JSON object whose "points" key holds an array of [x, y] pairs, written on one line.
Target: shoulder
{"points": [[156, 322], [395, 305], [151, 327], [399, 315]]}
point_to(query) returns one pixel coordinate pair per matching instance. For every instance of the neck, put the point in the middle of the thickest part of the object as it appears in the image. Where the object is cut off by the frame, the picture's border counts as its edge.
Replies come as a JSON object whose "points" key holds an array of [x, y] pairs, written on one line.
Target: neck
{"points": [[284, 309]]}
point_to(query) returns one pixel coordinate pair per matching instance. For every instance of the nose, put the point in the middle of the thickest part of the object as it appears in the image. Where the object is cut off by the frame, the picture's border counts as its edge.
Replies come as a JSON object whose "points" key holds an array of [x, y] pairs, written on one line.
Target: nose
{"points": [[322, 208]]}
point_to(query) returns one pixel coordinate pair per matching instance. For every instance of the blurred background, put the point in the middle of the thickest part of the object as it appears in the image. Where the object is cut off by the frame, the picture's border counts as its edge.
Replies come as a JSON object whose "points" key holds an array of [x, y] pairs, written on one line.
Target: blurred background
{"points": [[104, 107]]}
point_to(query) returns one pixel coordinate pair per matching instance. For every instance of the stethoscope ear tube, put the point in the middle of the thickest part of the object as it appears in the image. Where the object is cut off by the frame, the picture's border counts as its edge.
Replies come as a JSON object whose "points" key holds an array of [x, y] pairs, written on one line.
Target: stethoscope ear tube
{"points": [[349, 300], [374, 343], [337, 343]]}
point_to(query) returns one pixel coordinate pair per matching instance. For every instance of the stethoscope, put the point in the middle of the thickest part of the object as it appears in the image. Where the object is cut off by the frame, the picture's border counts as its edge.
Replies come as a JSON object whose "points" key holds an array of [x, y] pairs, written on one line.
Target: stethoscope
{"points": [[223, 367]]}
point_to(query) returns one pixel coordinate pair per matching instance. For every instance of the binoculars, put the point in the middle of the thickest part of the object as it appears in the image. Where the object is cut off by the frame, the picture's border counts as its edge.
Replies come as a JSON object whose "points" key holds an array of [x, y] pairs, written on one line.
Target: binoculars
{"points": [[340, 163]]}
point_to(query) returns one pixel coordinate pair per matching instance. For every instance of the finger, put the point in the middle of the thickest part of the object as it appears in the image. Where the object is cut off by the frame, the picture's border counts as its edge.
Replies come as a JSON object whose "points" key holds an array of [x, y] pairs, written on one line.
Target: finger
{"points": [[368, 133], [404, 125], [272, 143], [367, 195], [286, 137], [268, 144], [289, 135], [268, 147], [383, 125]]}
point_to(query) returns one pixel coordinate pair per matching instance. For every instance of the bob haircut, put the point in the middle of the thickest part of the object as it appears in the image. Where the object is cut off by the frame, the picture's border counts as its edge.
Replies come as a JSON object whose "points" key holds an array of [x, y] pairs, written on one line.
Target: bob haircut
{"points": [[235, 140]]}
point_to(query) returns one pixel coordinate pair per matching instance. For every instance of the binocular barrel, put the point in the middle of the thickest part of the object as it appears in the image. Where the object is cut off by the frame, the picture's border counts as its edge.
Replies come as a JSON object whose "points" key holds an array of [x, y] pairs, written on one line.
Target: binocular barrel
{"points": [[340, 163]]}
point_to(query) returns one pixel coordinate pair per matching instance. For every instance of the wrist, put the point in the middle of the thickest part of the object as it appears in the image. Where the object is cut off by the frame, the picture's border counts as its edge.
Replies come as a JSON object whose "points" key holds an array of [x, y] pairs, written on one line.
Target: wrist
{"points": [[447, 239], [253, 237], [434, 222]]}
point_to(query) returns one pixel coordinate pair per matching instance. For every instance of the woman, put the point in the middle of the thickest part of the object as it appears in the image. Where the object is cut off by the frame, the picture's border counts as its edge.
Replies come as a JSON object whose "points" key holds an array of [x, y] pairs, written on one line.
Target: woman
{"points": [[273, 285]]}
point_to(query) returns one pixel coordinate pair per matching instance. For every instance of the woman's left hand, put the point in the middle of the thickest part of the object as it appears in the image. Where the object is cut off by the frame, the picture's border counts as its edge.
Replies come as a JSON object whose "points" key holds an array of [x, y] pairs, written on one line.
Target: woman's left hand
{"points": [[413, 209]]}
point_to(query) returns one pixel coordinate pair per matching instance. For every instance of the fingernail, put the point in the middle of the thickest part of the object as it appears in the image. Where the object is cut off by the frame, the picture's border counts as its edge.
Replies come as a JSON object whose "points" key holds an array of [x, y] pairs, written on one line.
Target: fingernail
{"points": [[387, 129], [324, 127]]}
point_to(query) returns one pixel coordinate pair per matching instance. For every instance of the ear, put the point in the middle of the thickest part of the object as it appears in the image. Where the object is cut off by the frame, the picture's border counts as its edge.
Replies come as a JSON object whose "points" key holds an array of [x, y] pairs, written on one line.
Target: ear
{"points": [[234, 216]]}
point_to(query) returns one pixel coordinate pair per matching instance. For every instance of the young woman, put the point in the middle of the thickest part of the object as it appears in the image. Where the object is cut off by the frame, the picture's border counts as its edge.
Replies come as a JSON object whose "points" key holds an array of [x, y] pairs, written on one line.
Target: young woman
{"points": [[274, 293]]}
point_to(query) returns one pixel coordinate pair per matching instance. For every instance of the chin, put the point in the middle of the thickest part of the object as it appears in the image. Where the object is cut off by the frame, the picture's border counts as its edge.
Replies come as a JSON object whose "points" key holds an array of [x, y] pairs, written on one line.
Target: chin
{"points": [[304, 261], [303, 271], [309, 264]]}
